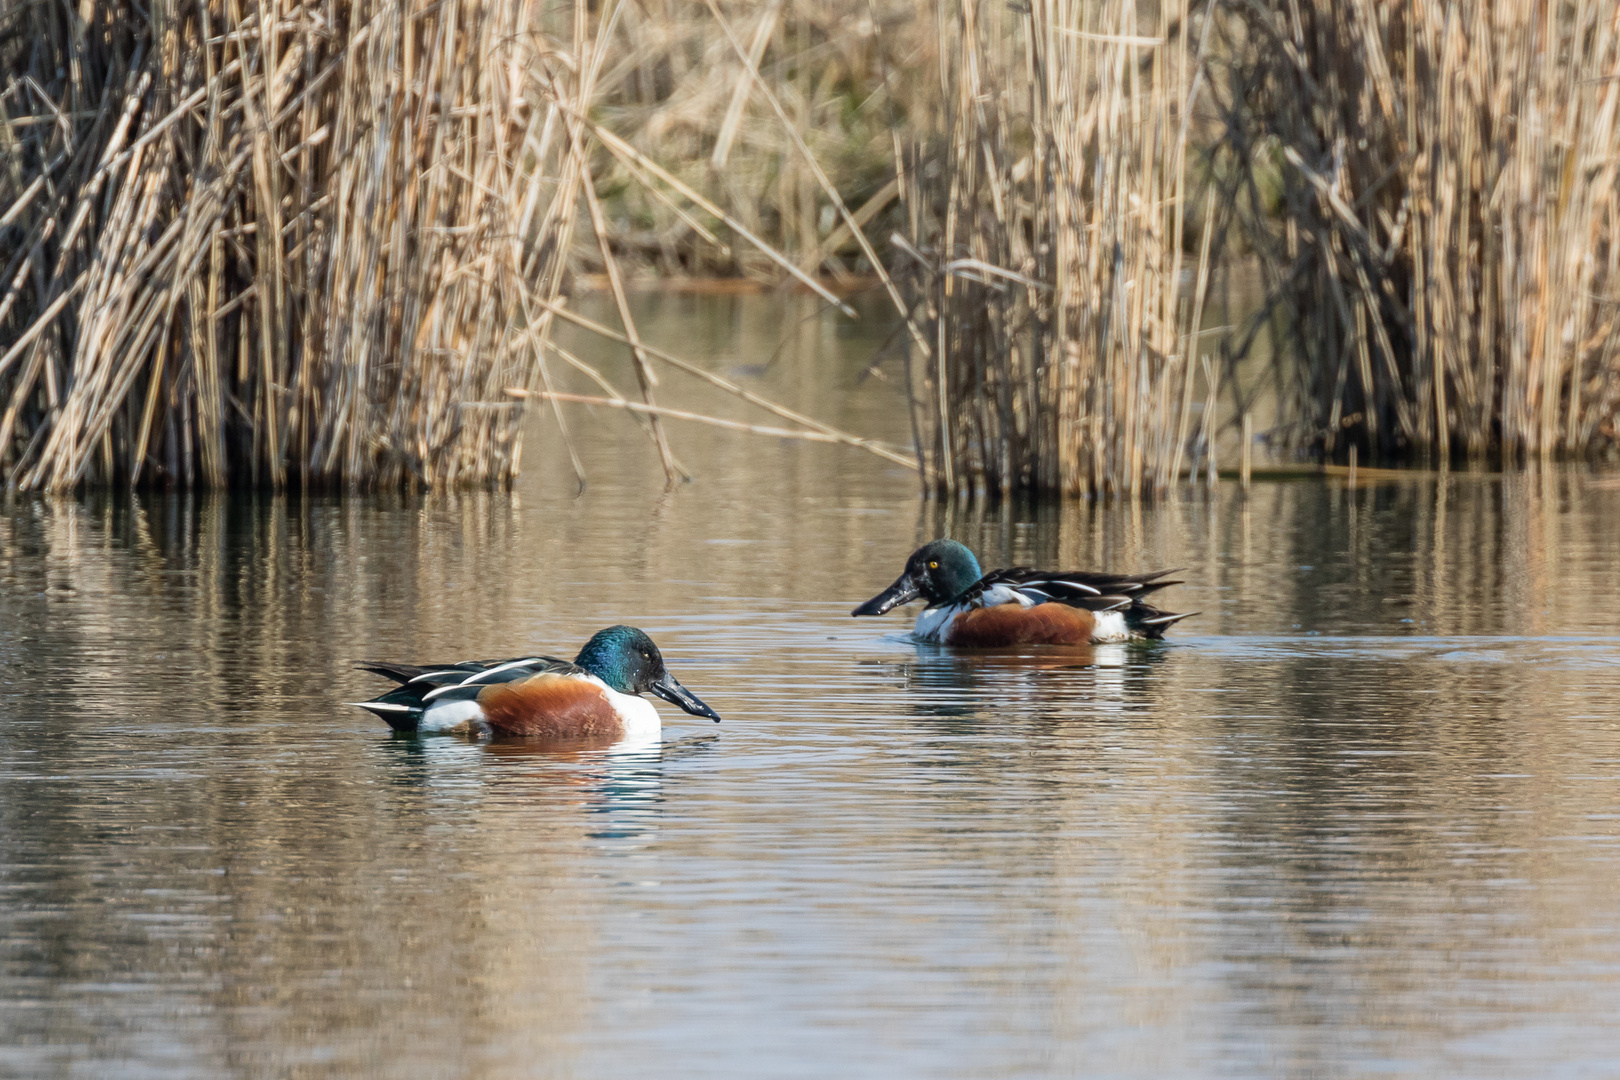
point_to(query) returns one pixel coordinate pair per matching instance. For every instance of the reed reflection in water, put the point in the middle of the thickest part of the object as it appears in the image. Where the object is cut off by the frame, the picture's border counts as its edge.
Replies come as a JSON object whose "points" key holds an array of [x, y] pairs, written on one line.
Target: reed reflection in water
{"points": [[1357, 817]]}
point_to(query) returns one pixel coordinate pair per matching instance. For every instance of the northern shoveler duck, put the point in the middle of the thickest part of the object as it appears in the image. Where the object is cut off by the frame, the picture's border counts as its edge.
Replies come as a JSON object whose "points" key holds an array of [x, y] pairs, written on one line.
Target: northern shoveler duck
{"points": [[972, 609], [598, 695]]}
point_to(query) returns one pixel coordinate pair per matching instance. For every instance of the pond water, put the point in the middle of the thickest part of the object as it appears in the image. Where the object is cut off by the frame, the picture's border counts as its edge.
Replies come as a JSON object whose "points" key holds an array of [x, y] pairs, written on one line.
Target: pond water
{"points": [[1359, 817]]}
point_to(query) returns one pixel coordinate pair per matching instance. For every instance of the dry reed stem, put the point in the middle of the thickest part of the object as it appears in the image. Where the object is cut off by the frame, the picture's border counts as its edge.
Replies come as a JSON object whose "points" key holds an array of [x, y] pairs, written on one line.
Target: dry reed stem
{"points": [[733, 389], [712, 421]]}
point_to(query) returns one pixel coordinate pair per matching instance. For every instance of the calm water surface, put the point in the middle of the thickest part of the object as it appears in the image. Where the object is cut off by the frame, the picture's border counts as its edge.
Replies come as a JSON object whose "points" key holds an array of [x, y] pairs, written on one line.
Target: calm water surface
{"points": [[1359, 818]]}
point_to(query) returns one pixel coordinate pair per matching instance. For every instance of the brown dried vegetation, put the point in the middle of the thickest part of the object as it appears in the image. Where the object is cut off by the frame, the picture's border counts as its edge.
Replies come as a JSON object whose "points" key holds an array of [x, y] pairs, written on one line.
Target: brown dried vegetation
{"points": [[325, 243]]}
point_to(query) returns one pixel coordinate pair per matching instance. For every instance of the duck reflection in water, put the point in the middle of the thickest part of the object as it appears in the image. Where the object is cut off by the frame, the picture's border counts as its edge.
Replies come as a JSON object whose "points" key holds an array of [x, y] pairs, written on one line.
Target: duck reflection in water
{"points": [[1107, 679], [623, 789], [622, 784]]}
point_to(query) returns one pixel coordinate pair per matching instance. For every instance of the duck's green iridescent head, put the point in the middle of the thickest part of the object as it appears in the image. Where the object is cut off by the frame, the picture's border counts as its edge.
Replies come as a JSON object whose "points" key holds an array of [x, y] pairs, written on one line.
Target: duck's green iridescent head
{"points": [[628, 661], [937, 572]]}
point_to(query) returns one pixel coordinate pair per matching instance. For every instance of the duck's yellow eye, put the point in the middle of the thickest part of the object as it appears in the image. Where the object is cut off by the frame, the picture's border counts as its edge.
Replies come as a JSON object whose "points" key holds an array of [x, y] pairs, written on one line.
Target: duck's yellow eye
{"points": [[933, 566]]}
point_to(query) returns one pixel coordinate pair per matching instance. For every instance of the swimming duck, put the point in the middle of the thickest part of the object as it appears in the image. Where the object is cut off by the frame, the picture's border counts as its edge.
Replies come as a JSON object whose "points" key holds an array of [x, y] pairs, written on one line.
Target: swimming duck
{"points": [[595, 696], [972, 609]]}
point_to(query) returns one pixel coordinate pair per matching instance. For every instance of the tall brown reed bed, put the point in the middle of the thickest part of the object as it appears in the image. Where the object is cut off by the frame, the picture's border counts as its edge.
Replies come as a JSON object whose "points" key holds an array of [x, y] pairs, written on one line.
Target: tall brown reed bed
{"points": [[1433, 191], [268, 243], [323, 244], [1430, 191], [1047, 247]]}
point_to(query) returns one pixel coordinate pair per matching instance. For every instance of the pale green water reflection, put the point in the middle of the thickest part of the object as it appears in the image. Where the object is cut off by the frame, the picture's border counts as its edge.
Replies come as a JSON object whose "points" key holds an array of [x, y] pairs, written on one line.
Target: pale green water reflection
{"points": [[1361, 817]]}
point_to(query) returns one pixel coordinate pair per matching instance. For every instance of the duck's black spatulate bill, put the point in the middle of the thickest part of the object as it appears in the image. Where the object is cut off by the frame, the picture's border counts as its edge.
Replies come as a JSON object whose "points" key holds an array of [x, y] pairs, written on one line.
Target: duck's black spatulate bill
{"points": [[673, 692], [903, 591]]}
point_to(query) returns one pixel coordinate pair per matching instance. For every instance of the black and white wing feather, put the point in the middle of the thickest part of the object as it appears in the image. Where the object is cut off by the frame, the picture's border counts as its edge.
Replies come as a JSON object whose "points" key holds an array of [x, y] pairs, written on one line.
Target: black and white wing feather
{"points": [[420, 685], [1092, 590]]}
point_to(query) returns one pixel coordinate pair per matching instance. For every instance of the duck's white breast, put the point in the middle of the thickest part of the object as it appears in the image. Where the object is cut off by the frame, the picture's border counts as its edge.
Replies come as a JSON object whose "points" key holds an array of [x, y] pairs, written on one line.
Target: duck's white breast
{"points": [[641, 720]]}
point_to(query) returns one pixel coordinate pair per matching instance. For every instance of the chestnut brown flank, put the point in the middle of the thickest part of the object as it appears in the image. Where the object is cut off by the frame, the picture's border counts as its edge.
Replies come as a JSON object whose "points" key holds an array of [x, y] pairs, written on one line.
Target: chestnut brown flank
{"points": [[549, 705], [1013, 624]]}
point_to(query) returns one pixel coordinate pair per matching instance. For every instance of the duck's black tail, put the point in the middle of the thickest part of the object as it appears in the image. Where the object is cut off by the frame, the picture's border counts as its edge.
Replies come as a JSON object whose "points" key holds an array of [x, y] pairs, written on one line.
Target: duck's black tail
{"points": [[401, 709], [1145, 620]]}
